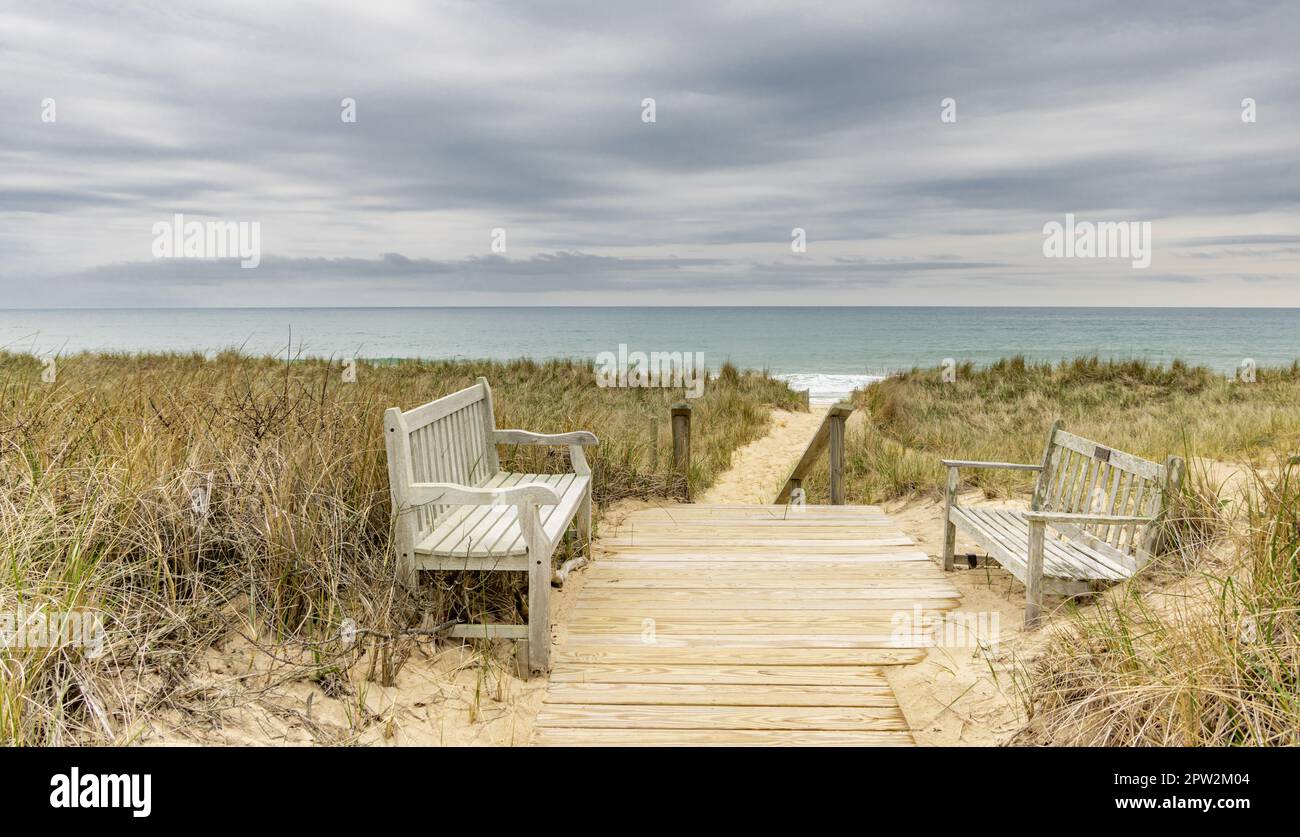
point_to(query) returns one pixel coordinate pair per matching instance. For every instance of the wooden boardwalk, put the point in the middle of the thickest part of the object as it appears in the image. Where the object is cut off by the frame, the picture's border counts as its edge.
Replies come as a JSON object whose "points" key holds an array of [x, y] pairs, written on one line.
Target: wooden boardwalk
{"points": [[734, 625]]}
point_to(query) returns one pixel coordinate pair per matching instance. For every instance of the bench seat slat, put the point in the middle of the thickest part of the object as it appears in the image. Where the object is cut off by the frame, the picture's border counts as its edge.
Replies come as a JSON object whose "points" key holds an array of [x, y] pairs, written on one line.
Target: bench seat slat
{"points": [[1089, 562], [1061, 559], [492, 532], [554, 518]]}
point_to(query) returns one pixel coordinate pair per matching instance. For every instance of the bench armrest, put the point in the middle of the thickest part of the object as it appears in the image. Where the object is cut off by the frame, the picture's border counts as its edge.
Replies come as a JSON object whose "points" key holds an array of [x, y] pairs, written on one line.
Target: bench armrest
{"points": [[970, 463], [581, 438], [1084, 519], [451, 494], [950, 488]]}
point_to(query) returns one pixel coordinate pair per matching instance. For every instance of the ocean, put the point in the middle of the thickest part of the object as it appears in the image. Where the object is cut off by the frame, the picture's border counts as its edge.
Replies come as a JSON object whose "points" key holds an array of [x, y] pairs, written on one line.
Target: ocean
{"points": [[828, 351]]}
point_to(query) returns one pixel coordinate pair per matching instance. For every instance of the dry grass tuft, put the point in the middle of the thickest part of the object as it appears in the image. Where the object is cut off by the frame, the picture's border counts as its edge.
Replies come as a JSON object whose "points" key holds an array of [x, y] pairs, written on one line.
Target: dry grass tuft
{"points": [[1213, 661]]}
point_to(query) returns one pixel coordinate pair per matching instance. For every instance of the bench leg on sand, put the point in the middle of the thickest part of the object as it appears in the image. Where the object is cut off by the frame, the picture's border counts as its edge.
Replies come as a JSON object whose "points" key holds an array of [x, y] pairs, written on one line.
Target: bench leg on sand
{"points": [[539, 612], [949, 545], [584, 521], [1034, 575], [523, 665], [949, 529]]}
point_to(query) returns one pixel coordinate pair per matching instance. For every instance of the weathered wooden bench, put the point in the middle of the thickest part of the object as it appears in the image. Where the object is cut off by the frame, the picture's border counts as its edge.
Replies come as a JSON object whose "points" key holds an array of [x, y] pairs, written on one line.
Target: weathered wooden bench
{"points": [[455, 509], [1101, 505]]}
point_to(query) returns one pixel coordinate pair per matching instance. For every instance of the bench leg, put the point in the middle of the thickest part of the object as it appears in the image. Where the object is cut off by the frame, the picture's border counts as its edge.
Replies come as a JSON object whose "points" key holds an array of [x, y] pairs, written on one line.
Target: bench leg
{"points": [[539, 587], [1034, 575], [949, 530], [523, 665], [584, 521], [539, 612]]}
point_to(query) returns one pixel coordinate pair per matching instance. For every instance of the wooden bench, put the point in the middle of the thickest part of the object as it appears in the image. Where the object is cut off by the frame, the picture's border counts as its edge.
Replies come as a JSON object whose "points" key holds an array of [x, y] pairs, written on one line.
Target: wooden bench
{"points": [[455, 509], [1100, 504]]}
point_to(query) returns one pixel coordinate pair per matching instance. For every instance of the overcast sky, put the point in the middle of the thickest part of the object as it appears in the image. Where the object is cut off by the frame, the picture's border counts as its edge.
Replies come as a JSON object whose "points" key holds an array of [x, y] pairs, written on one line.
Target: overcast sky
{"points": [[528, 117]]}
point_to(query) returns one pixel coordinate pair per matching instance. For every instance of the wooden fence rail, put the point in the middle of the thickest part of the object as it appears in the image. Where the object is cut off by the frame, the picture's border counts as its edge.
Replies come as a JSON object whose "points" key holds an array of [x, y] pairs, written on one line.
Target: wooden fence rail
{"points": [[829, 434]]}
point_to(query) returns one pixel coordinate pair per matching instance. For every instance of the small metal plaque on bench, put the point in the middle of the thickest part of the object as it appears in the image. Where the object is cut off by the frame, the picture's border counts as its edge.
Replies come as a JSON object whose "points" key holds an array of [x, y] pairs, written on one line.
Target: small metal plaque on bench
{"points": [[1101, 454]]}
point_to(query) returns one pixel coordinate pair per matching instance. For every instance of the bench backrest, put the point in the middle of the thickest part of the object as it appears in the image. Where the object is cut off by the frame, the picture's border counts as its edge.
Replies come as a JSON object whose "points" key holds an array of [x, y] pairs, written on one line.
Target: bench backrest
{"points": [[1085, 477], [448, 440]]}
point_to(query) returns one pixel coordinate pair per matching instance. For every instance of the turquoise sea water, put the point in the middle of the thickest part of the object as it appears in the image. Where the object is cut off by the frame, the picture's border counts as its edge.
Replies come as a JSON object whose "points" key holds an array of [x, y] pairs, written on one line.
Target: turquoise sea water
{"points": [[827, 350]]}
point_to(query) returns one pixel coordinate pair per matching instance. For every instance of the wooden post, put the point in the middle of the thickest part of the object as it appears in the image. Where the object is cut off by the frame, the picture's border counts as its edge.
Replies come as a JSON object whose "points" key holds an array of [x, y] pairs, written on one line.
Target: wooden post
{"points": [[837, 453], [682, 442], [1034, 575]]}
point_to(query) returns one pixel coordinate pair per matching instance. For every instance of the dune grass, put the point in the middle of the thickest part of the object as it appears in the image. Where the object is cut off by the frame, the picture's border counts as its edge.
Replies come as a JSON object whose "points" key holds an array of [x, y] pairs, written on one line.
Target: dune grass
{"points": [[96, 478], [1001, 413], [1211, 661], [1203, 646]]}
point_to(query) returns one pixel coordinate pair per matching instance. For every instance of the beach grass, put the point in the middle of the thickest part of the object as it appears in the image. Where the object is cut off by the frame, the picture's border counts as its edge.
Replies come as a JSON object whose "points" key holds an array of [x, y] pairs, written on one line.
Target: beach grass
{"points": [[1001, 412], [98, 474], [1212, 660]]}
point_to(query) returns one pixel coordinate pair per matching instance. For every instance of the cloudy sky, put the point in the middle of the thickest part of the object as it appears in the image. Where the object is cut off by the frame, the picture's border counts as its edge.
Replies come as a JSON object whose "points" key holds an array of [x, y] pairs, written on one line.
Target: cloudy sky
{"points": [[528, 117]]}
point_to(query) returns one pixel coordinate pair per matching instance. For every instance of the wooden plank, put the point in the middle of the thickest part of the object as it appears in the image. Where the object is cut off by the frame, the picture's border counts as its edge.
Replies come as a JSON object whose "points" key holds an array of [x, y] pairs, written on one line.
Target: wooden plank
{"points": [[811, 545], [768, 528], [763, 573], [771, 623], [889, 588], [741, 626], [811, 564], [571, 737], [678, 694], [617, 604], [767, 558], [795, 522], [796, 596], [718, 640], [426, 413], [724, 717], [1133, 464], [655, 655], [733, 675]]}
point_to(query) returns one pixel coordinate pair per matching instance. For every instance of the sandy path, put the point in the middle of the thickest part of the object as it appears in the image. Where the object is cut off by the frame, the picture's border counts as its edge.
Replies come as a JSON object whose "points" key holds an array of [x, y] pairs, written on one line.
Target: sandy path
{"points": [[956, 696], [759, 468]]}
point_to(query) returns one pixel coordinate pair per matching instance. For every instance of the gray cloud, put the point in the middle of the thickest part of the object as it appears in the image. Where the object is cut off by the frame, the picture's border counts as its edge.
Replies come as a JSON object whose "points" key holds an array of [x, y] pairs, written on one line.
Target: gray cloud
{"points": [[527, 116]]}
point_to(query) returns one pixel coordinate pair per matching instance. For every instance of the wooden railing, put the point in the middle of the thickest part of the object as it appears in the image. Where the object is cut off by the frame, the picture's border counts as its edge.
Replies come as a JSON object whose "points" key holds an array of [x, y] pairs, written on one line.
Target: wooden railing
{"points": [[829, 434]]}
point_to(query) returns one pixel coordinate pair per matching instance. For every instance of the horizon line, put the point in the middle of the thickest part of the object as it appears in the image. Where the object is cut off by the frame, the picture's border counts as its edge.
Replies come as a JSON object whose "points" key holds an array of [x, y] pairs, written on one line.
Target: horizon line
{"points": [[632, 305]]}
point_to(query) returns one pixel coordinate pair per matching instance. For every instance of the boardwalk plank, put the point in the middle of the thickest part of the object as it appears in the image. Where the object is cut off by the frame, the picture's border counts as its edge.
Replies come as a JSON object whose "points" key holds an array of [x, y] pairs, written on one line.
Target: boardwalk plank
{"points": [[741, 625]]}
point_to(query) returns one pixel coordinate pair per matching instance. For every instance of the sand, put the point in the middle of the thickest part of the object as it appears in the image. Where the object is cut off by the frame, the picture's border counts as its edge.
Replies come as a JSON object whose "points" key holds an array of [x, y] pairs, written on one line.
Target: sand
{"points": [[966, 696], [759, 469]]}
